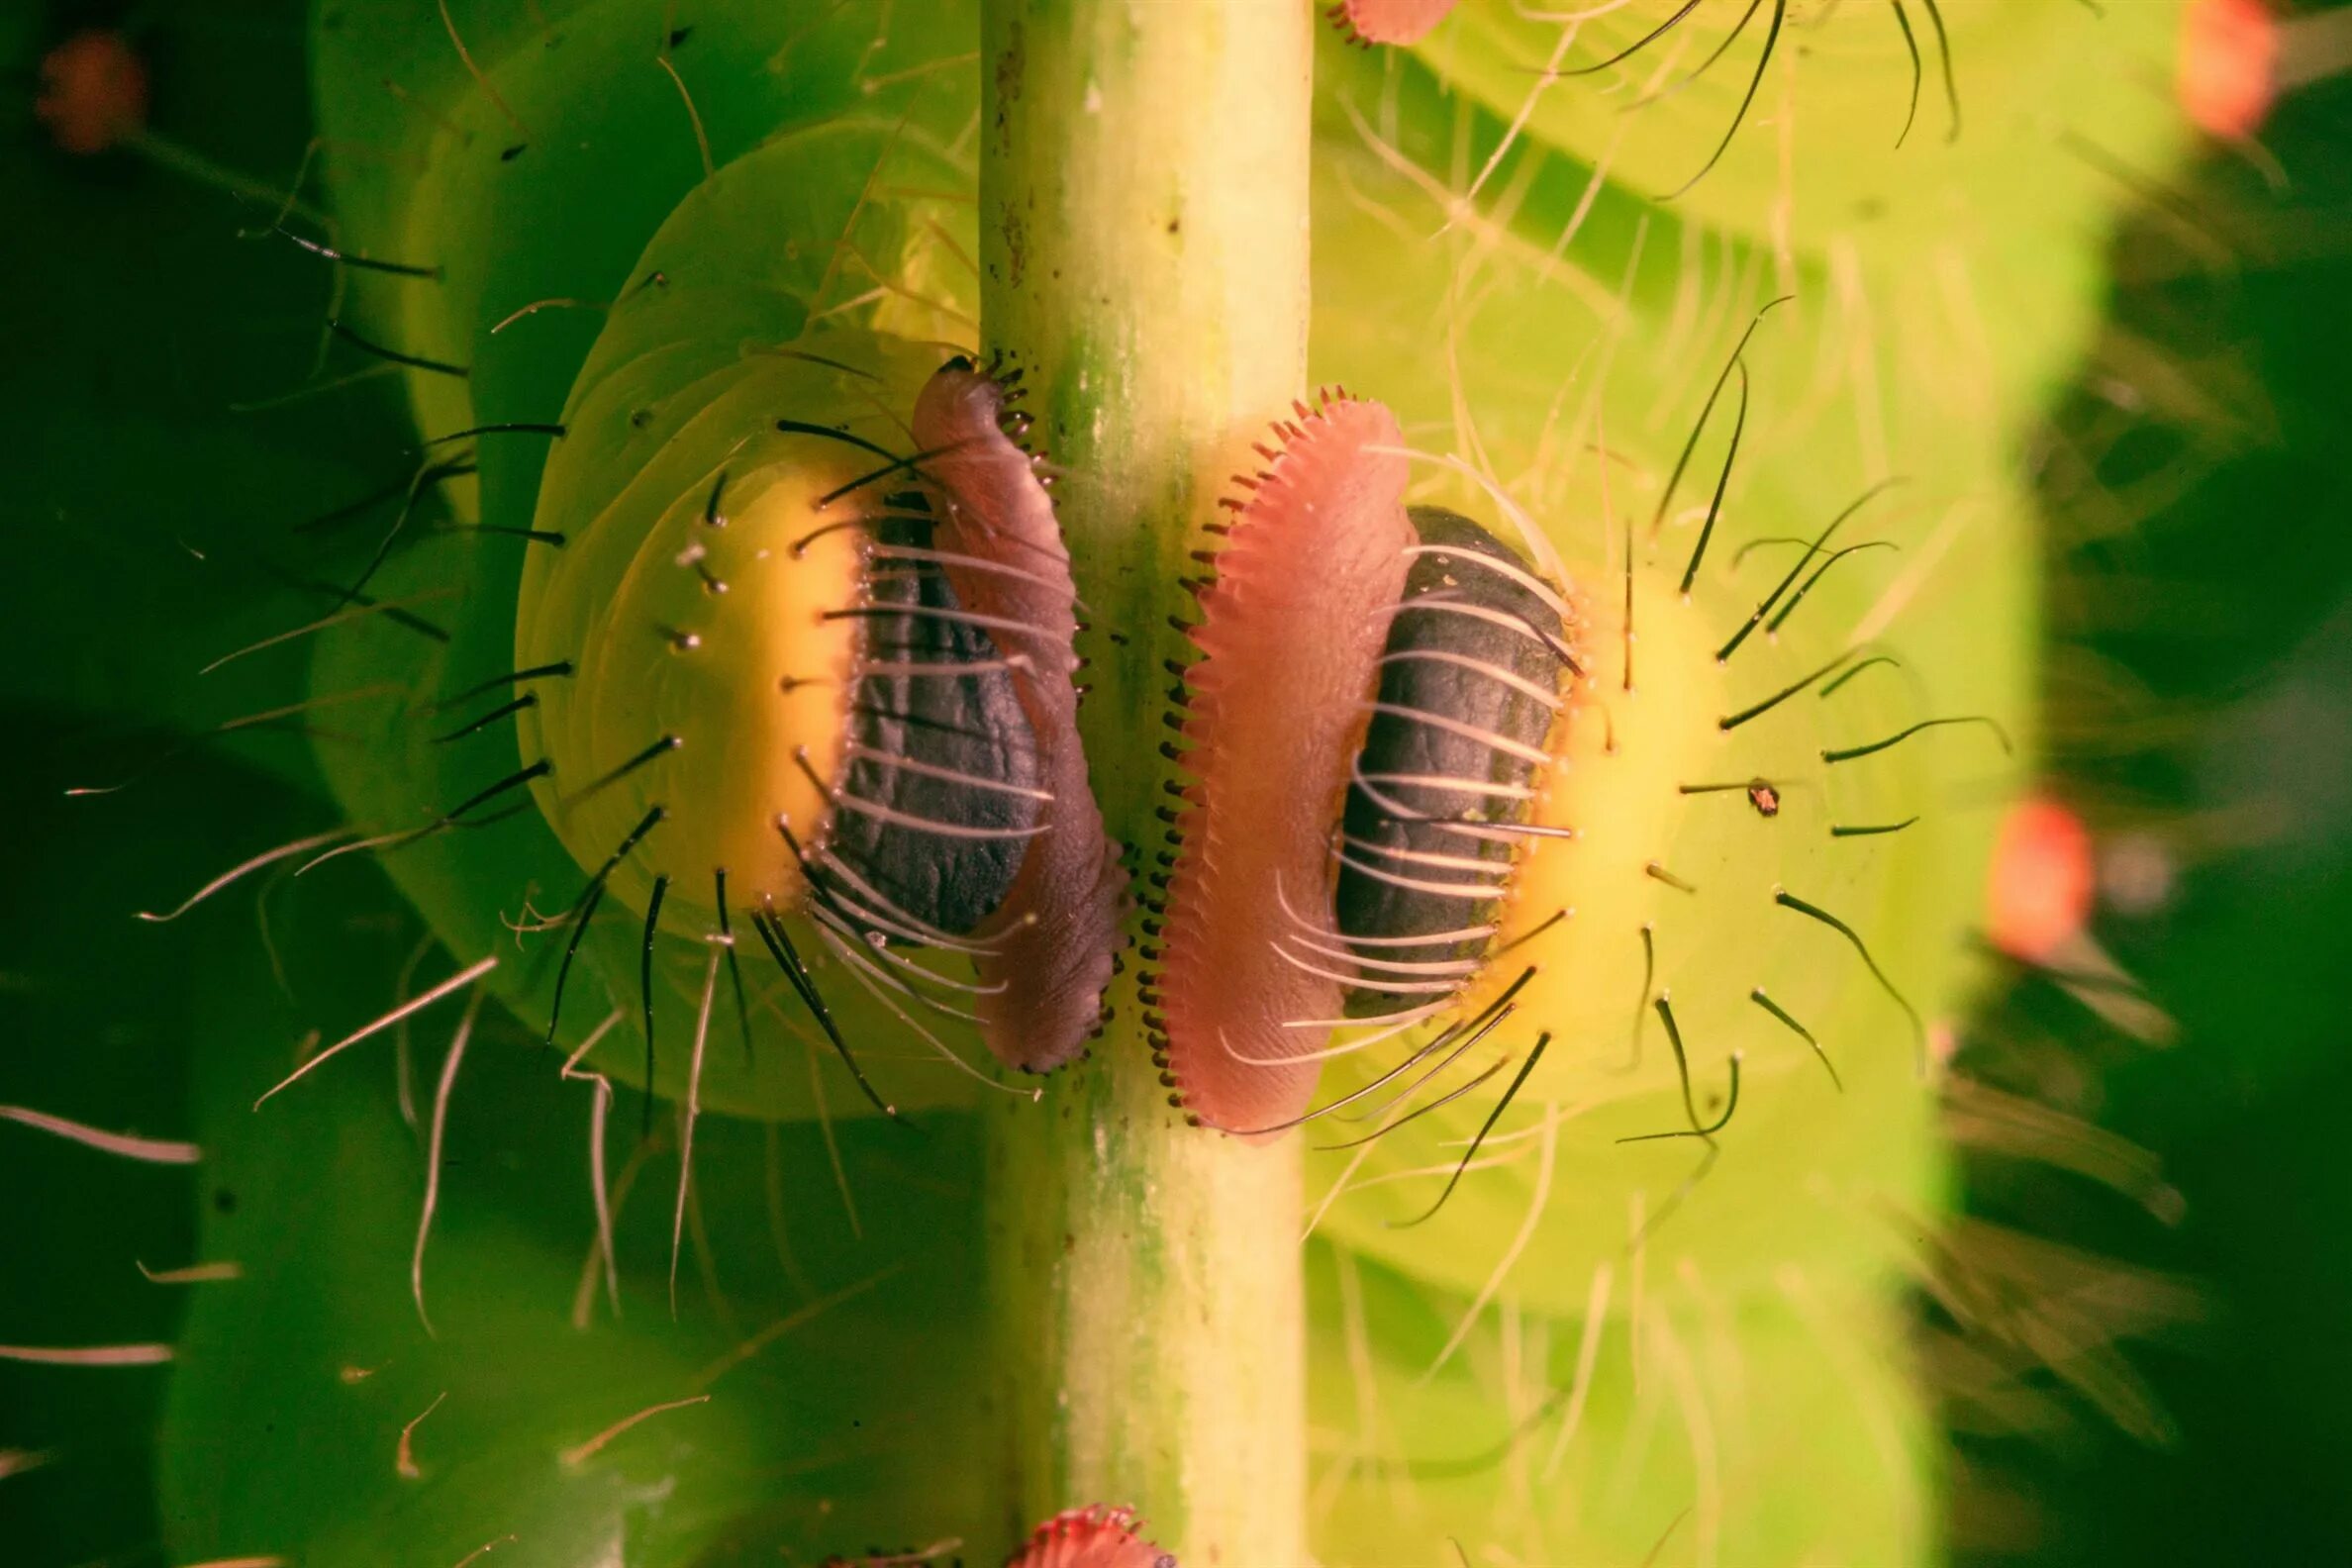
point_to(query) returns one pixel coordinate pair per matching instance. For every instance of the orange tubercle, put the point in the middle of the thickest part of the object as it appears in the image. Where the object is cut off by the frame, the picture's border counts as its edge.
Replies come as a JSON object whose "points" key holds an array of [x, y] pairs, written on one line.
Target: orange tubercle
{"points": [[2227, 76], [1390, 21], [2039, 893], [93, 92]]}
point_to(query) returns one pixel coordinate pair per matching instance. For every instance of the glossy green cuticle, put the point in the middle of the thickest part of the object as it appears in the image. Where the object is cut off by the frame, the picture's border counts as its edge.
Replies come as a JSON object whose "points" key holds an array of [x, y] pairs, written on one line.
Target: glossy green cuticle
{"points": [[1174, 220]]}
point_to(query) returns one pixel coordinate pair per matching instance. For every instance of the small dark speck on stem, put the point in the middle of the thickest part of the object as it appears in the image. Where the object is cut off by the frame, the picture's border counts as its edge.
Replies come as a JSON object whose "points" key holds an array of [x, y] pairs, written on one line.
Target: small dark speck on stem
{"points": [[1015, 249], [1011, 66]]}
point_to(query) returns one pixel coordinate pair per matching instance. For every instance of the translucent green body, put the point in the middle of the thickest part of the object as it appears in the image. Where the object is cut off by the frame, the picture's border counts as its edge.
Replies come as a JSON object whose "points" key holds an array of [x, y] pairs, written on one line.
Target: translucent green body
{"points": [[1584, 1353]]}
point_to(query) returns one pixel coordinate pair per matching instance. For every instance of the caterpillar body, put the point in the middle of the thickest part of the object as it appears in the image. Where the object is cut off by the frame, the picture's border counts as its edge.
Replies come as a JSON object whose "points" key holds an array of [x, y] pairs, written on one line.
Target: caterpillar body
{"points": [[737, 517], [1441, 660], [716, 626], [817, 643]]}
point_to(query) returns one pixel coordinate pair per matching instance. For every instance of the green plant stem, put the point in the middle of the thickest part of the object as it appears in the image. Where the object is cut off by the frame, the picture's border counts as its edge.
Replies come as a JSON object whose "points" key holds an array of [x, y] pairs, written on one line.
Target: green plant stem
{"points": [[1144, 220]]}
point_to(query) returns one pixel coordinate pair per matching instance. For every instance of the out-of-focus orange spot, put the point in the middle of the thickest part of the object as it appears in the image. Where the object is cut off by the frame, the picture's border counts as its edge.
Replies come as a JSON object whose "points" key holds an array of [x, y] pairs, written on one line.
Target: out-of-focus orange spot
{"points": [[2228, 72], [2039, 897], [1091, 1537], [93, 92], [1390, 21]]}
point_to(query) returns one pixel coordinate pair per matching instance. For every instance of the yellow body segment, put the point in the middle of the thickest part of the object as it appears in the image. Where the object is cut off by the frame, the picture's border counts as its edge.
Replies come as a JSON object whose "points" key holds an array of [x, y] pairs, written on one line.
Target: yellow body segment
{"points": [[1667, 837], [716, 639]]}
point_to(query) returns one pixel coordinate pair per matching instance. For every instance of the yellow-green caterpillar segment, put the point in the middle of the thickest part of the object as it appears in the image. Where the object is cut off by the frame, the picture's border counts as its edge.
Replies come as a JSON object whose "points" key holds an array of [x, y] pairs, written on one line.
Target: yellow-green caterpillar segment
{"points": [[761, 358]]}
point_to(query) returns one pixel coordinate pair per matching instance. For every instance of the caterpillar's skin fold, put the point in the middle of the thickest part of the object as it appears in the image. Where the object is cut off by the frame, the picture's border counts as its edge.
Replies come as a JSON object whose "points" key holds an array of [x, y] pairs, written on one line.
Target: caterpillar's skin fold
{"points": [[1417, 854], [931, 748], [1053, 937], [1291, 635]]}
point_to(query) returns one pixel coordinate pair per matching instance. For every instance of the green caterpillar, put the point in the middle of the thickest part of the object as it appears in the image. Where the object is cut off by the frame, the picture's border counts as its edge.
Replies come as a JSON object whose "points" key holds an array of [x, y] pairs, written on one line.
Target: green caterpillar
{"points": [[1635, 1298]]}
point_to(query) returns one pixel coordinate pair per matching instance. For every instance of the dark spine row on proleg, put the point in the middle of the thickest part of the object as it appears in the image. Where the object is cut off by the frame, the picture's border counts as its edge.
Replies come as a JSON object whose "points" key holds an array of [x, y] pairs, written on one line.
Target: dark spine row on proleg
{"points": [[942, 789], [1451, 766]]}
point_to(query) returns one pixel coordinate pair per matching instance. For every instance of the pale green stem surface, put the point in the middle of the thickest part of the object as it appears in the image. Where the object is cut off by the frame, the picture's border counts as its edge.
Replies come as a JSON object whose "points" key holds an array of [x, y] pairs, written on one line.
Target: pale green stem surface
{"points": [[1143, 221]]}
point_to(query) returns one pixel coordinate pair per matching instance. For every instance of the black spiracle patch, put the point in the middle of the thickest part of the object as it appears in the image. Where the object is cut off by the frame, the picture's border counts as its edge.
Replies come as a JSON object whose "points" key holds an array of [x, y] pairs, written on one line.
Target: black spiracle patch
{"points": [[942, 790], [1452, 757]]}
